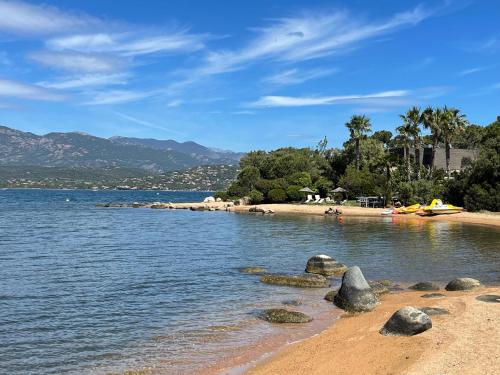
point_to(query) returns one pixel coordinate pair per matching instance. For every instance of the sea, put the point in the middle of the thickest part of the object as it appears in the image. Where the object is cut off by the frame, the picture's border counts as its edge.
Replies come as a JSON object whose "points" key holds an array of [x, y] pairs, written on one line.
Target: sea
{"points": [[93, 290]]}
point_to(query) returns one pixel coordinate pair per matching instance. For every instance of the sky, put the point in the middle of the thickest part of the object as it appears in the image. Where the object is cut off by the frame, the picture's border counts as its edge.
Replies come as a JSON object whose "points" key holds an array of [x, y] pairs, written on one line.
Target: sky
{"points": [[243, 75]]}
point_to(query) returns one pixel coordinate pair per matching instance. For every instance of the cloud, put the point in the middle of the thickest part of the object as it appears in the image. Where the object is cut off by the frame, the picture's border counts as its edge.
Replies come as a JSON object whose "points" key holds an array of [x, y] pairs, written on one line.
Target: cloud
{"points": [[296, 76], [77, 62], [26, 91], [476, 69], [87, 80], [174, 103], [117, 97], [23, 18], [289, 101], [146, 123], [243, 113], [129, 44]]}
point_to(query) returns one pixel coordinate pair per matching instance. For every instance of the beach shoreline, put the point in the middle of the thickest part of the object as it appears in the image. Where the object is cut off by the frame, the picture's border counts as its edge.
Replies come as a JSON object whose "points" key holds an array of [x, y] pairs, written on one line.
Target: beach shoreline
{"points": [[465, 341]]}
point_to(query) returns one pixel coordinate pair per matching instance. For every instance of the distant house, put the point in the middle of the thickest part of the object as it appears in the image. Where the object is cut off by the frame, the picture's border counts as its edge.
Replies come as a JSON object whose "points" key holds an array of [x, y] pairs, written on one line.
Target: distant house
{"points": [[459, 157]]}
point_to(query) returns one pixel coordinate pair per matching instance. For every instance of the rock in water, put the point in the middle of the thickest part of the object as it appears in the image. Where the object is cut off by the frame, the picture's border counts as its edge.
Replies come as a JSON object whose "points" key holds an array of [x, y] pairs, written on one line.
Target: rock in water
{"points": [[434, 311], [463, 283], [301, 281], [355, 295], [253, 270], [407, 321], [425, 286], [325, 265], [285, 316]]}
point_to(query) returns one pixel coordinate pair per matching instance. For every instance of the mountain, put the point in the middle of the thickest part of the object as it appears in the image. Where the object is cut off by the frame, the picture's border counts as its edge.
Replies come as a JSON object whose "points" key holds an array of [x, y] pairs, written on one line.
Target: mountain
{"points": [[76, 149], [203, 154]]}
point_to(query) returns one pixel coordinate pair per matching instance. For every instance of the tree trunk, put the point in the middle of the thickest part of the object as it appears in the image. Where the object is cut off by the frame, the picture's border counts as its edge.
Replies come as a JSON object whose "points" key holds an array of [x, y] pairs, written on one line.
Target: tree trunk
{"points": [[357, 154], [447, 158], [408, 162], [433, 153], [417, 158]]}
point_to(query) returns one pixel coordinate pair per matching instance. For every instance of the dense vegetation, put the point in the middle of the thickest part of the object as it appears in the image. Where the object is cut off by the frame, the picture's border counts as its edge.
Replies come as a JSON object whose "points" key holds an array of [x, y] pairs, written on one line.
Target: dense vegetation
{"points": [[382, 164]]}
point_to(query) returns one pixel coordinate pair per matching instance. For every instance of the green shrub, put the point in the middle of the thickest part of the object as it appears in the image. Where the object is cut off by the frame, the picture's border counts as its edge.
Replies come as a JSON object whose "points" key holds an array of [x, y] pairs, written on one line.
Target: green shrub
{"points": [[222, 195], [294, 194], [236, 190], [256, 196], [323, 186], [277, 195], [301, 179]]}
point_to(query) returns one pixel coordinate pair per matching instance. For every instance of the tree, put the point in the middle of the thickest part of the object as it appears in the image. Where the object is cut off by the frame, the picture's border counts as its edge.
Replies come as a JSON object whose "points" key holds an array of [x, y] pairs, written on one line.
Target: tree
{"points": [[358, 127], [454, 122], [384, 136], [412, 120], [432, 119], [405, 138]]}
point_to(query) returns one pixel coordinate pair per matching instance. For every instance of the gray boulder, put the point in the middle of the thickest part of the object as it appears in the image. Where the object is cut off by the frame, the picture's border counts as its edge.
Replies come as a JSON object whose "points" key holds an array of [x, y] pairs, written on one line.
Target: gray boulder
{"points": [[425, 286], [378, 288], [355, 295], [463, 283], [433, 295], [491, 298], [285, 316], [407, 321], [325, 265], [330, 295], [301, 281]]}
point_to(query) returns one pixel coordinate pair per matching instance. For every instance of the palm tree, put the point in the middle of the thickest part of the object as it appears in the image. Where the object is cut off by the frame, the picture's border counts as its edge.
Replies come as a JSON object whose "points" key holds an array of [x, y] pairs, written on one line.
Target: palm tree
{"points": [[358, 127], [454, 122], [432, 119], [412, 120], [405, 138]]}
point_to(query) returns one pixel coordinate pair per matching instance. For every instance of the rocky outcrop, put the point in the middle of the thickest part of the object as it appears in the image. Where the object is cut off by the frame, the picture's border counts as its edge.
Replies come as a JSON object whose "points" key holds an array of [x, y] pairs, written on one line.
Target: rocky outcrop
{"points": [[434, 311], [425, 286], [301, 281], [285, 316], [253, 270], [407, 321], [261, 210], [463, 283], [355, 295], [325, 265]]}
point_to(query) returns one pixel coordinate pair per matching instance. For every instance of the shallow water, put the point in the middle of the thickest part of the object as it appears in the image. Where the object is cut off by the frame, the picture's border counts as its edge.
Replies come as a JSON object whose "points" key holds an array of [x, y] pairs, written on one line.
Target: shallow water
{"points": [[86, 290]]}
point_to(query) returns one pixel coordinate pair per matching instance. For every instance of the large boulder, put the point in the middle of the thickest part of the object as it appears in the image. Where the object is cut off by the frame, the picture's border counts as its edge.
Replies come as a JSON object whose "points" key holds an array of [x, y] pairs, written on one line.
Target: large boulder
{"points": [[407, 321], [325, 265], [285, 316], [301, 281], [463, 283], [425, 286], [355, 295]]}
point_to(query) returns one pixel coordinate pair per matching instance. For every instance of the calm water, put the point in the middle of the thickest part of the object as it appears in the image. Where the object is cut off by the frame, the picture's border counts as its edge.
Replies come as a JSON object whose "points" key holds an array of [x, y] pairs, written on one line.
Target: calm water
{"points": [[86, 290]]}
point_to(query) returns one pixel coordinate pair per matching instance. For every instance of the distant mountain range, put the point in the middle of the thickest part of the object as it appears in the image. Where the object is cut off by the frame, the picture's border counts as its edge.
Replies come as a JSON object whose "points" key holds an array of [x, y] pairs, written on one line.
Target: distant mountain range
{"points": [[76, 149]]}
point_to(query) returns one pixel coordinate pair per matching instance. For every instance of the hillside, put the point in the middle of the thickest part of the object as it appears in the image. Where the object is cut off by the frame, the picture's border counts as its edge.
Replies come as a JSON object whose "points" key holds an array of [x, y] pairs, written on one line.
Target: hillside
{"points": [[75, 150]]}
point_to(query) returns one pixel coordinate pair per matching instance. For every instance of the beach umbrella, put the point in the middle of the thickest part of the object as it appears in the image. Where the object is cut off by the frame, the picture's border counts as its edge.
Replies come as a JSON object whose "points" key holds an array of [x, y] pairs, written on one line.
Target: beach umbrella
{"points": [[306, 190], [341, 190]]}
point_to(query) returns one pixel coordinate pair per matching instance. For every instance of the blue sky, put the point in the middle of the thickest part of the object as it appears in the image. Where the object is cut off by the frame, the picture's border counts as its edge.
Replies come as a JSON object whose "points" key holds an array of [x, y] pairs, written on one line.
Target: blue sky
{"points": [[243, 75]]}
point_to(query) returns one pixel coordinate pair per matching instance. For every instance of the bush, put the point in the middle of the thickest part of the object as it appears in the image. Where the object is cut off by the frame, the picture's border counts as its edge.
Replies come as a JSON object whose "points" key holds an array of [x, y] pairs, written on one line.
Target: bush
{"points": [[222, 195], [294, 194], [236, 190], [301, 179], [277, 195], [256, 197], [323, 186]]}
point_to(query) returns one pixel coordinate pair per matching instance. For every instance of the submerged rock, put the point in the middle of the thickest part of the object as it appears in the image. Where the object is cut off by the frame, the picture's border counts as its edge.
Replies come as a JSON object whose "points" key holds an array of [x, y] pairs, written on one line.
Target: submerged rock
{"points": [[463, 283], [407, 321], [325, 265], [253, 270], [285, 316], [424, 286], [355, 295], [433, 295], [378, 288], [434, 311], [292, 302], [301, 281], [492, 298], [330, 295]]}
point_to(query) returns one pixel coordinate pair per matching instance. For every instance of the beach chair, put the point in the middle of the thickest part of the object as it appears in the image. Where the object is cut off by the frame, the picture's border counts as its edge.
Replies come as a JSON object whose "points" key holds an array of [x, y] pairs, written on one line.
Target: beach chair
{"points": [[343, 202], [317, 198], [309, 198], [321, 200]]}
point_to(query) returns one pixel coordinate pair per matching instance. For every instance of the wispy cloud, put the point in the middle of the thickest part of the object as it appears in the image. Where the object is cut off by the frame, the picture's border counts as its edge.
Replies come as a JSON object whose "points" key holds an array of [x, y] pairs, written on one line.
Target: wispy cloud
{"points": [[476, 69], [489, 45], [302, 101], [297, 76], [24, 18], [174, 103], [14, 89], [243, 113], [87, 80], [146, 123], [117, 97], [130, 44], [77, 62]]}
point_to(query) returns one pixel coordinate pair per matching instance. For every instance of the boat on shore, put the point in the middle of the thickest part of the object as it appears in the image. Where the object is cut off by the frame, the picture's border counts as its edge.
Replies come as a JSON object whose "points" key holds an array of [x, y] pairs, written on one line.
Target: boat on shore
{"points": [[438, 208]]}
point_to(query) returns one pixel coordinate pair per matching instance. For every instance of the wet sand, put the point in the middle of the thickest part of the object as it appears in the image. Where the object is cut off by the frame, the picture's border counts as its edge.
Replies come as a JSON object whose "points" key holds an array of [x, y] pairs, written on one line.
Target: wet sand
{"points": [[464, 342]]}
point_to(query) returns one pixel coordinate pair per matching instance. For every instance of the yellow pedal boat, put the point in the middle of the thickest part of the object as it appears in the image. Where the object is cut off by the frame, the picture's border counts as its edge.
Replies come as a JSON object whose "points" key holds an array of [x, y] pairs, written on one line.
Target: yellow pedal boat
{"points": [[408, 210], [438, 208]]}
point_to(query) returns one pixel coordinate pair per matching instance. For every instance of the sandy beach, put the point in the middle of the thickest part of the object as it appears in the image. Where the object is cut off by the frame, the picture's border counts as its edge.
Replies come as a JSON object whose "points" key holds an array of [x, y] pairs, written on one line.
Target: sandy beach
{"points": [[464, 342], [492, 219]]}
